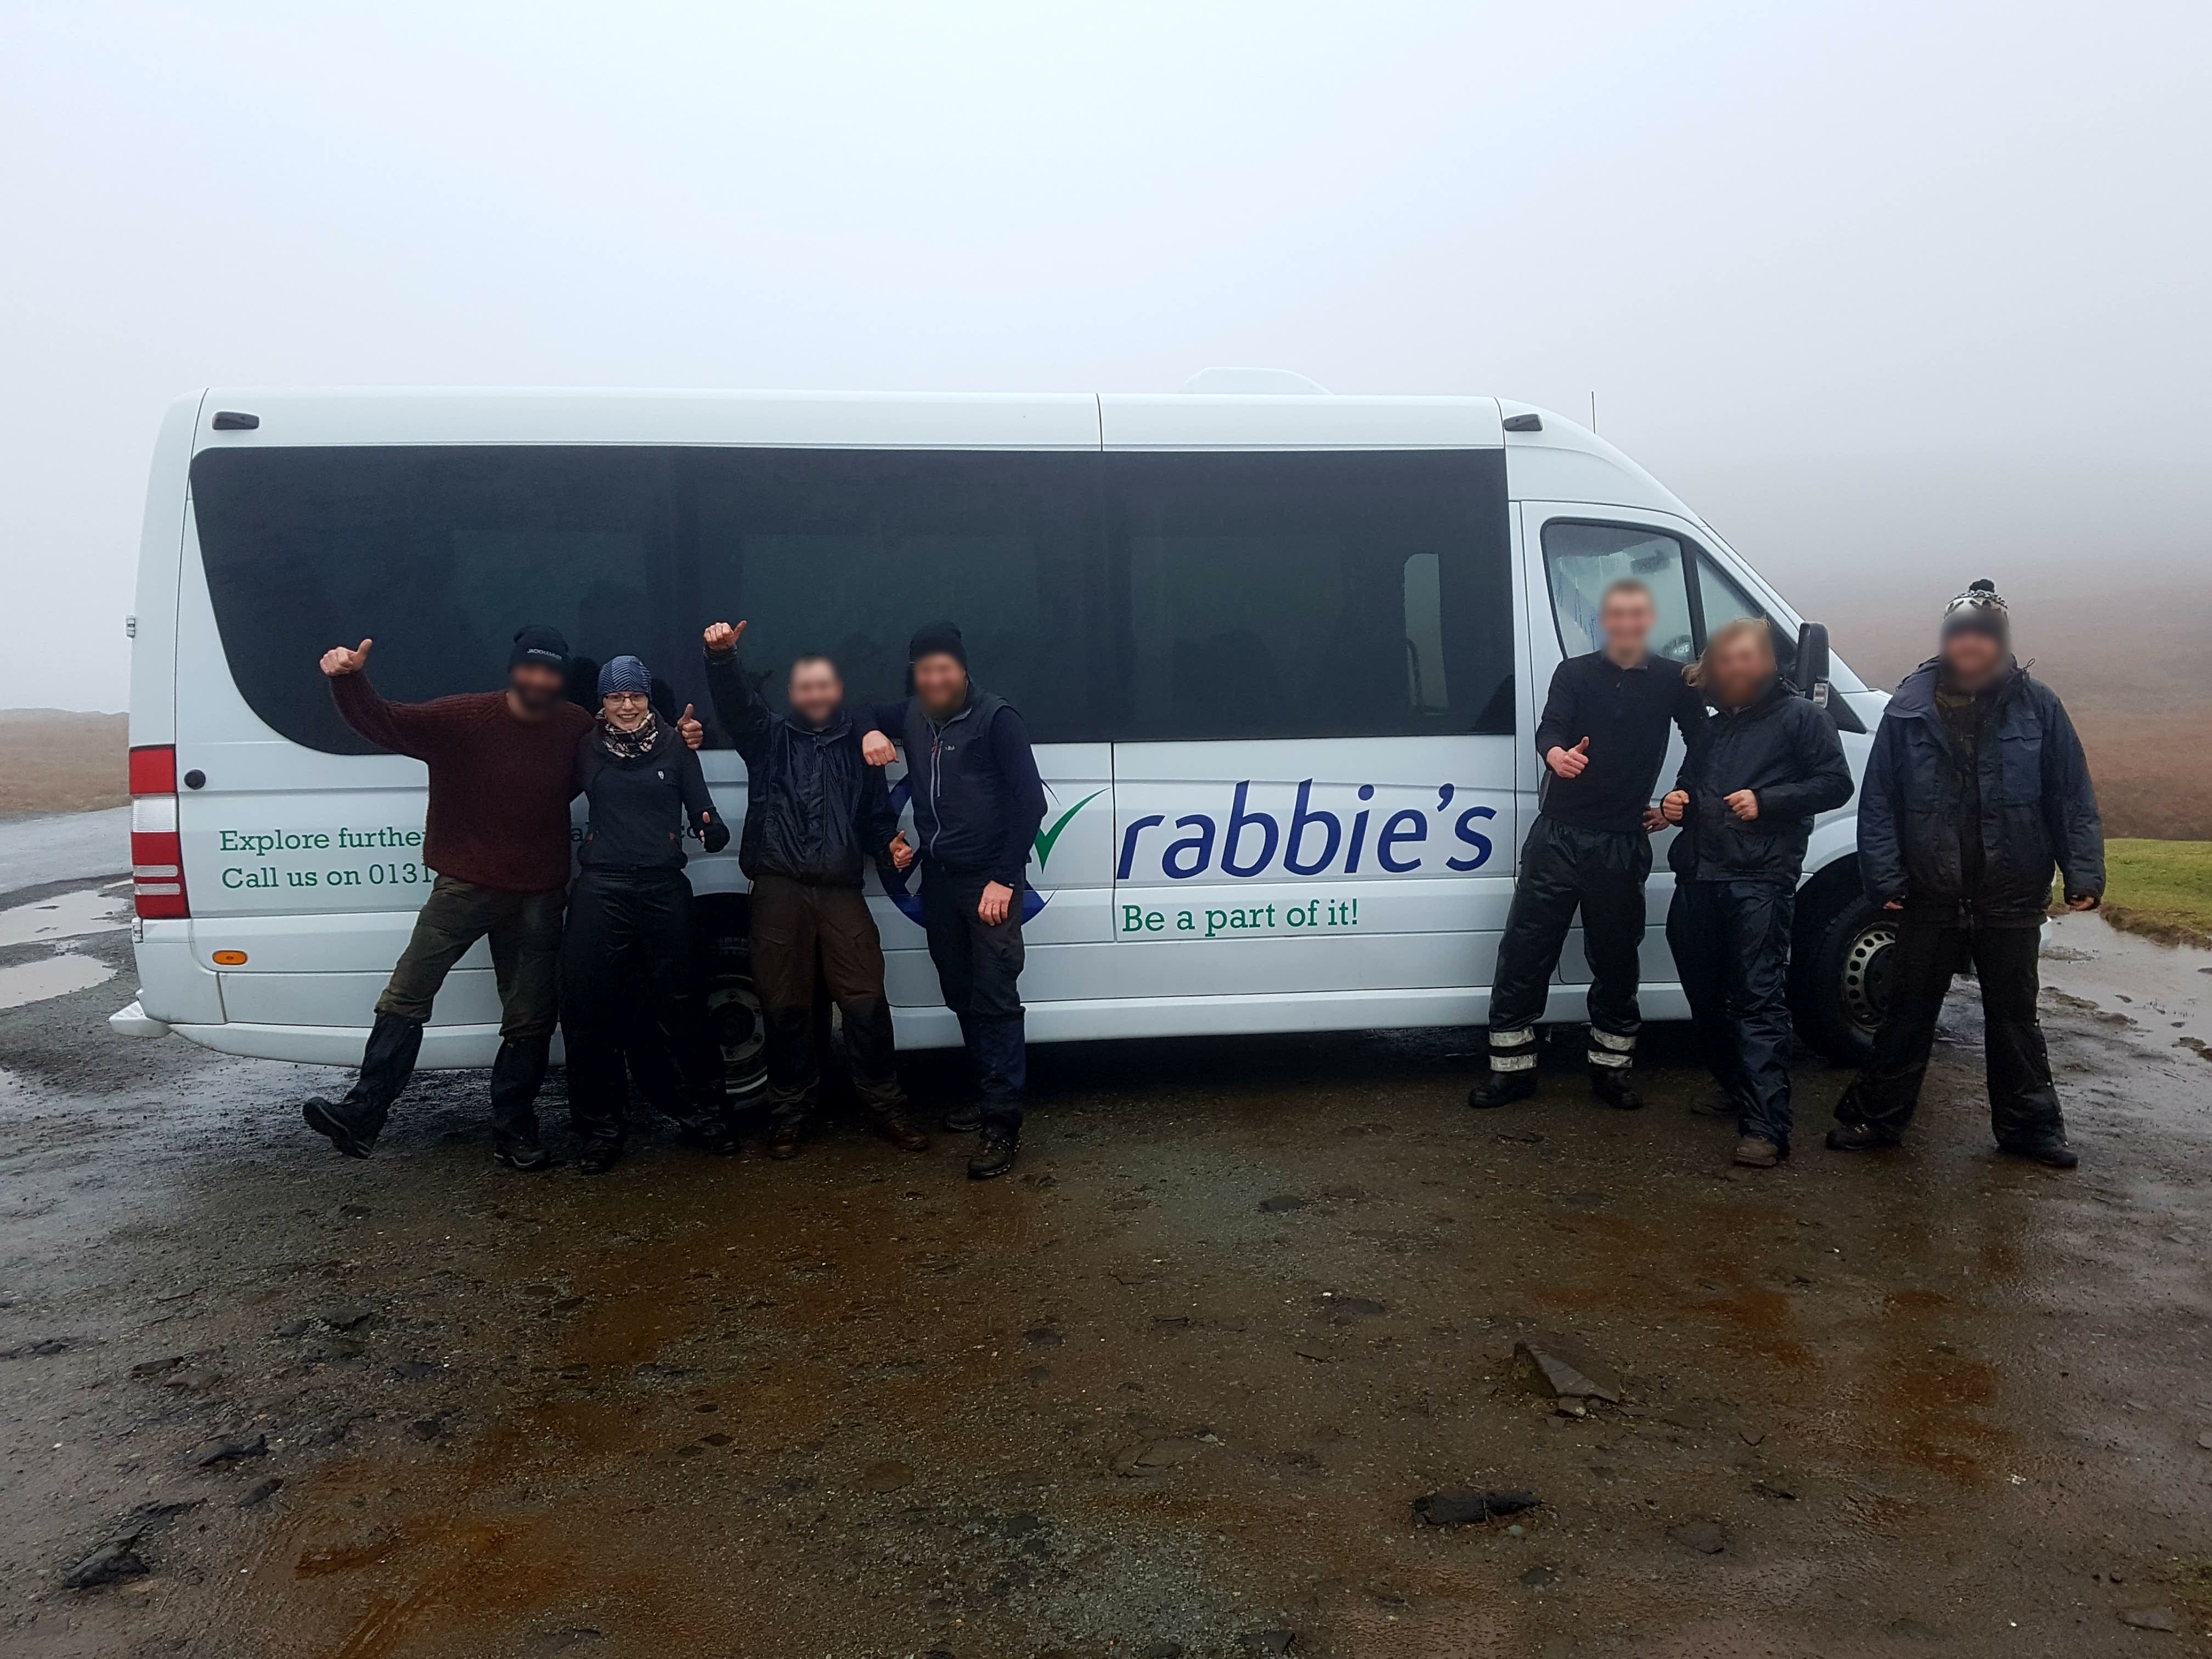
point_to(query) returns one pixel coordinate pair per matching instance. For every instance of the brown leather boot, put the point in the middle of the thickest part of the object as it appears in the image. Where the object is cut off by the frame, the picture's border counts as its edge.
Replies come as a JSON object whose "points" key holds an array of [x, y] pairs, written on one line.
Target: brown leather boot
{"points": [[901, 1133], [783, 1142]]}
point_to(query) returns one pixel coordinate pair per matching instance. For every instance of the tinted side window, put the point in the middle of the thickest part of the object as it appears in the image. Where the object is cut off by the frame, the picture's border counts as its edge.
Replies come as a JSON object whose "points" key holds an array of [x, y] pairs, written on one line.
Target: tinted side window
{"points": [[1312, 595], [1581, 561], [440, 554]]}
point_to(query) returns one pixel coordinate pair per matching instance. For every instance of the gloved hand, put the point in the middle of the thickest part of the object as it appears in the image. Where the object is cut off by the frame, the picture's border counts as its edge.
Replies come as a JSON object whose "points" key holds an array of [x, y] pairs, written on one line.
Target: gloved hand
{"points": [[714, 834]]}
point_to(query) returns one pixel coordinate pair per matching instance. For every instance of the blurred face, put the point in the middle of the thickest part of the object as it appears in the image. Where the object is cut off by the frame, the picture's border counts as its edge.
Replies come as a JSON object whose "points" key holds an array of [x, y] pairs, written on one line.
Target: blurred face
{"points": [[625, 710], [534, 688], [817, 693], [1626, 620], [941, 684], [1741, 665], [1972, 659]]}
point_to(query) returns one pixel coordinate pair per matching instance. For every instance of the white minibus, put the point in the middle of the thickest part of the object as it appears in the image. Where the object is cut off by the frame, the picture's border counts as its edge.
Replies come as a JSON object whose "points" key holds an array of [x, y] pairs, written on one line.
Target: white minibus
{"points": [[1280, 653]]}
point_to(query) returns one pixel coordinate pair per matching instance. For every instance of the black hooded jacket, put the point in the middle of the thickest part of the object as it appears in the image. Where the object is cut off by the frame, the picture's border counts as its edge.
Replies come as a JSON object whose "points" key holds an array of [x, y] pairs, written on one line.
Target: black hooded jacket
{"points": [[1784, 749], [815, 811], [2038, 814]]}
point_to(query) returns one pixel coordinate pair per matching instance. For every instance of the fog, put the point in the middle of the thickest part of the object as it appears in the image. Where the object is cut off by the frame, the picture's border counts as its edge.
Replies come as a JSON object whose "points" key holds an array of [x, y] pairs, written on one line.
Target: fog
{"points": [[1896, 294]]}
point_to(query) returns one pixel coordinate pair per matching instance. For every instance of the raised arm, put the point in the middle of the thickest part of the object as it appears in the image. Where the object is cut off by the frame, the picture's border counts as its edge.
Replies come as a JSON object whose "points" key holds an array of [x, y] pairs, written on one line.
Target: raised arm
{"points": [[880, 725], [404, 728], [743, 715]]}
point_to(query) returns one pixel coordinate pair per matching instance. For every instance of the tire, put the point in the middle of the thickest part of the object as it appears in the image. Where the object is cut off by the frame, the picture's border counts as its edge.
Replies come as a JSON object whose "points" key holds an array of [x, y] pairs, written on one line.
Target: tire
{"points": [[1839, 970], [733, 1008]]}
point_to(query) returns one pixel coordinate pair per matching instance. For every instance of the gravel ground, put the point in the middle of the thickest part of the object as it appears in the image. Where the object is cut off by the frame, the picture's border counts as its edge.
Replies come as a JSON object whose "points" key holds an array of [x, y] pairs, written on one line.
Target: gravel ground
{"points": [[1172, 1387]]}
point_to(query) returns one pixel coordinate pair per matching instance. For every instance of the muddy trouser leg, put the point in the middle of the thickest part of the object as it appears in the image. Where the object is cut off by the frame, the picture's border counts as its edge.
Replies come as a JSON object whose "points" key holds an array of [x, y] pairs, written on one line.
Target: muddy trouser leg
{"points": [[526, 959], [979, 969], [1700, 937], [1887, 1088], [595, 1012], [785, 963], [1543, 900], [452, 919], [1610, 867], [2023, 1101], [1759, 914], [853, 963]]}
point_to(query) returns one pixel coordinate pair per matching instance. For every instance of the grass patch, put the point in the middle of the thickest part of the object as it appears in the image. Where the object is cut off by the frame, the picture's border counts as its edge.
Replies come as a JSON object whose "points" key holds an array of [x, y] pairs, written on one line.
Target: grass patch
{"points": [[2162, 888]]}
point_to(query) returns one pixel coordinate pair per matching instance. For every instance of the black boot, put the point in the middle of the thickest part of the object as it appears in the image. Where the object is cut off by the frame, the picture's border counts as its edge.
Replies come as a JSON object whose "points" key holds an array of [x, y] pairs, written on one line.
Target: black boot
{"points": [[2054, 1153], [386, 1063], [515, 1077], [1504, 1089], [995, 1153], [1616, 1086], [965, 1119], [1859, 1138], [599, 1155]]}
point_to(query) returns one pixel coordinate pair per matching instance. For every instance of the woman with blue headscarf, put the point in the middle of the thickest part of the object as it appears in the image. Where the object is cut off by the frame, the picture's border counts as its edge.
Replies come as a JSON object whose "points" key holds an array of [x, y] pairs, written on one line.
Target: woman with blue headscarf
{"points": [[626, 963]]}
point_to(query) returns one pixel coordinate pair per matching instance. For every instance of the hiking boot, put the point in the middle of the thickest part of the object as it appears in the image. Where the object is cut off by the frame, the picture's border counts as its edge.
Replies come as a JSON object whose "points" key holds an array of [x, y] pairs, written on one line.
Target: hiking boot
{"points": [[965, 1119], [994, 1153], [1616, 1086], [1503, 1089], [1758, 1152], [1859, 1138], [518, 1149], [709, 1133], [901, 1133], [783, 1142], [598, 1156], [351, 1130], [2054, 1153]]}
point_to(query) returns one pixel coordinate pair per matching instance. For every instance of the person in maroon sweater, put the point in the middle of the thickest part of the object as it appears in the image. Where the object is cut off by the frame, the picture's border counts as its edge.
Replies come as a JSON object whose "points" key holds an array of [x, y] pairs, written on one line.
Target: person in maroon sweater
{"points": [[502, 772]]}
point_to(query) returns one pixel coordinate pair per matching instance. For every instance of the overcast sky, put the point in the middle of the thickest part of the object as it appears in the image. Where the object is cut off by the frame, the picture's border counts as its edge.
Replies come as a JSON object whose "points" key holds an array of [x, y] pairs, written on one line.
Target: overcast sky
{"points": [[1897, 294]]}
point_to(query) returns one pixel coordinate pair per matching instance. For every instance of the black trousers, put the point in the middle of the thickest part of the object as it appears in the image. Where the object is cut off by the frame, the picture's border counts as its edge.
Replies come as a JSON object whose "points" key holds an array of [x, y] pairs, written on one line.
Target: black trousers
{"points": [[2023, 1101], [803, 932], [979, 969], [1563, 869], [1731, 944], [627, 974]]}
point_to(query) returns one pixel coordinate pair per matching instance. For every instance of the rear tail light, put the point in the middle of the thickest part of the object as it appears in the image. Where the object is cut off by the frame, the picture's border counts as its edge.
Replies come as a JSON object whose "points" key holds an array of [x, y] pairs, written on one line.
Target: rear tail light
{"points": [[157, 851]]}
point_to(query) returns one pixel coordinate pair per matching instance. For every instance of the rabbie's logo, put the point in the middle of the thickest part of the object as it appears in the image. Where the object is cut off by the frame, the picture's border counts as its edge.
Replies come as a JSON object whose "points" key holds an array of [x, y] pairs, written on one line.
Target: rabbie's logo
{"points": [[1312, 841], [1047, 836]]}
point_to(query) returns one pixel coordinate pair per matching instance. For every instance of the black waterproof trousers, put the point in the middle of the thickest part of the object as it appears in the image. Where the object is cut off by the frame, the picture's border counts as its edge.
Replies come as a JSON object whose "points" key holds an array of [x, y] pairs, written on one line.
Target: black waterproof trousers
{"points": [[1564, 868], [627, 975], [2023, 1101], [979, 969], [1731, 944]]}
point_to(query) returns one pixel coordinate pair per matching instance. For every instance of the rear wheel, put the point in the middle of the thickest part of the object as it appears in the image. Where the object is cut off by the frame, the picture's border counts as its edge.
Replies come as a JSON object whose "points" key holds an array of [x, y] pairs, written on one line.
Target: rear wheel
{"points": [[733, 1008], [1840, 969]]}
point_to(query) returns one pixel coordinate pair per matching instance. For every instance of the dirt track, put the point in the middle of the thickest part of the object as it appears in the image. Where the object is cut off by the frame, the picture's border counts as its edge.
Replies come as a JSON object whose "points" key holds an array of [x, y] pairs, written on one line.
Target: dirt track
{"points": [[1175, 1384]]}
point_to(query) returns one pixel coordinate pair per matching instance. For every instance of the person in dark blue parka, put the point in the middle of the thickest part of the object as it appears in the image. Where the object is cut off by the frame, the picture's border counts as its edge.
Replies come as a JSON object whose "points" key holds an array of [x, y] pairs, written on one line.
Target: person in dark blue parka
{"points": [[1976, 797]]}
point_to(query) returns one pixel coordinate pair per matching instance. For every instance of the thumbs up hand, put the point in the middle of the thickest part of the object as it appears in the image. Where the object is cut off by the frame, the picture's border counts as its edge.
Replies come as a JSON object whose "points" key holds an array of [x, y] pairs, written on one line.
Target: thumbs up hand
{"points": [[339, 660], [694, 733], [722, 639], [1568, 763]]}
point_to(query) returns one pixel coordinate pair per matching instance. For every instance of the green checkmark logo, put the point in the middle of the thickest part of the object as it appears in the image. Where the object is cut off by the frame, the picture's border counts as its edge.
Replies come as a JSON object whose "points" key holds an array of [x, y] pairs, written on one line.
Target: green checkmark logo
{"points": [[1046, 837]]}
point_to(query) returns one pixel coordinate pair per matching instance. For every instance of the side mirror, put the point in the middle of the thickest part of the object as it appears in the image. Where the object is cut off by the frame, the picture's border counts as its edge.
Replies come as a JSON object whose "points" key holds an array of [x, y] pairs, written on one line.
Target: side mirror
{"points": [[1812, 675]]}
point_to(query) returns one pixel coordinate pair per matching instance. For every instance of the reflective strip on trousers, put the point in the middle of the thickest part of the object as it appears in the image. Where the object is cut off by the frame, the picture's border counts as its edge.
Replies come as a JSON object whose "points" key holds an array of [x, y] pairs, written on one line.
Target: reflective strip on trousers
{"points": [[1606, 1057], [1513, 1051], [1613, 1040]]}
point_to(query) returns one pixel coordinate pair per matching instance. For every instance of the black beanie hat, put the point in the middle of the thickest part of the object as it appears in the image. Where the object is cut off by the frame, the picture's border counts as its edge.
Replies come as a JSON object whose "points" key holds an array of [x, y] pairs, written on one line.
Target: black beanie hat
{"points": [[538, 643], [1979, 610], [935, 639]]}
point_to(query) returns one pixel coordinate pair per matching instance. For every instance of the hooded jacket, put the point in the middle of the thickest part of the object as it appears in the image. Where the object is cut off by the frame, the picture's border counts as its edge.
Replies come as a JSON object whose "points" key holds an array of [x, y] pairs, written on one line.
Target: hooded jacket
{"points": [[1784, 749], [2038, 817], [815, 811]]}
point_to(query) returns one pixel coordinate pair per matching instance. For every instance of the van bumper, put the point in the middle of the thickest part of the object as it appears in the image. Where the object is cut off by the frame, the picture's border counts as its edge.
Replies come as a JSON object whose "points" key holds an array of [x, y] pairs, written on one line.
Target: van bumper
{"points": [[445, 1047], [131, 1020]]}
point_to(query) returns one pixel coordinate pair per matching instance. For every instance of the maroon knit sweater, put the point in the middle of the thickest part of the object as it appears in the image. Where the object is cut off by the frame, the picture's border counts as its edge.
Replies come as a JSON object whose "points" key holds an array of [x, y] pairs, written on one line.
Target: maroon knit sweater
{"points": [[500, 786]]}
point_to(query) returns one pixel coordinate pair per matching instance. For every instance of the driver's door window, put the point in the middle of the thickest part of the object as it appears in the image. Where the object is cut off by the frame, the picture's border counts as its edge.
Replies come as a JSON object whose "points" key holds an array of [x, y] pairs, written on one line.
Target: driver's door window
{"points": [[1581, 561]]}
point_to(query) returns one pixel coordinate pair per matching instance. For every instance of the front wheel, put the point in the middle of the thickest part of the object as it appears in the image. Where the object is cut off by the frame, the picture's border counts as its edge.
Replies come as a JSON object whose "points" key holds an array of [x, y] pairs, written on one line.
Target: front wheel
{"points": [[733, 1009], [1839, 972]]}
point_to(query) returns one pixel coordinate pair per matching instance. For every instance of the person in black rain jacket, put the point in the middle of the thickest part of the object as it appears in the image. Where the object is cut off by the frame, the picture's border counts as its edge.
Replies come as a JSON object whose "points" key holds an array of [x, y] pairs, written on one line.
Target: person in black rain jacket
{"points": [[1977, 794], [977, 803], [816, 815], [1602, 738], [627, 969], [1757, 772]]}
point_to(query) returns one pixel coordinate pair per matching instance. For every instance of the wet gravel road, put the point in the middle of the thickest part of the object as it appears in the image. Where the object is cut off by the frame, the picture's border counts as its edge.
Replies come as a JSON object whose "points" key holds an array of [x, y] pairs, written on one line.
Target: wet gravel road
{"points": [[1173, 1388]]}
